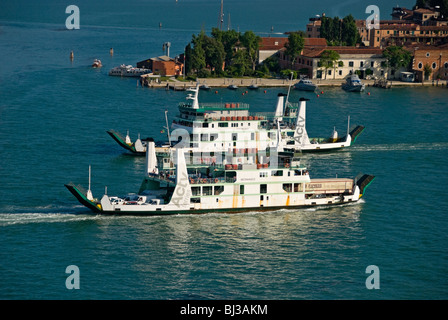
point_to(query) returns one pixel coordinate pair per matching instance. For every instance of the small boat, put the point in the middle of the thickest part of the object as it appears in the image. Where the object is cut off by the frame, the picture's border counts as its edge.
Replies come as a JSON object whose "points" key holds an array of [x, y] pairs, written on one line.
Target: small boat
{"points": [[253, 86], [353, 84], [232, 87], [305, 85], [128, 71], [204, 87], [97, 63]]}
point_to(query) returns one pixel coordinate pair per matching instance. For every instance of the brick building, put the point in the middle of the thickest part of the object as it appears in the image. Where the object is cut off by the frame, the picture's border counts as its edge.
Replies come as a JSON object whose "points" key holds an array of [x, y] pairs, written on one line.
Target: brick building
{"points": [[162, 65], [407, 26], [272, 45], [435, 57]]}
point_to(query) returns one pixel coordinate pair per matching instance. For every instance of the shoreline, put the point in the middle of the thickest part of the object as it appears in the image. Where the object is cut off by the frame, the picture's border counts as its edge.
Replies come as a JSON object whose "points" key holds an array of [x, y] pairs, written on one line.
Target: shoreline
{"points": [[174, 84]]}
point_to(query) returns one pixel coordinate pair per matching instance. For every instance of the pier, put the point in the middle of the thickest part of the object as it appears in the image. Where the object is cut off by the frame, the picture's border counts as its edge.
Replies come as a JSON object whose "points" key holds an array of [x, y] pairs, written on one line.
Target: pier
{"points": [[244, 83]]}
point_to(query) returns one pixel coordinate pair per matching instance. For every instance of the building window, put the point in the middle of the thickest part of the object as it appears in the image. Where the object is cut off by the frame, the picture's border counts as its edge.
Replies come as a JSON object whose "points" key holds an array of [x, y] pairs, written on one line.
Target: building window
{"points": [[350, 63], [420, 65], [340, 72], [446, 65], [427, 54], [434, 65], [361, 64], [372, 64]]}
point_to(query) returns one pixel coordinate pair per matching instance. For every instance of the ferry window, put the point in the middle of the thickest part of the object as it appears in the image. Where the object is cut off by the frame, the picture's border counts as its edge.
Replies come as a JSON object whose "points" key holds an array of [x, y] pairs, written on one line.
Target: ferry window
{"points": [[252, 136], [205, 125], [297, 173], [195, 200], [277, 173], [196, 191], [223, 124], [234, 136], [219, 190], [213, 137], [263, 174], [287, 187], [207, 191], [297, 187], [195, 137], [263, 188], [204, 137], [242, 189]]}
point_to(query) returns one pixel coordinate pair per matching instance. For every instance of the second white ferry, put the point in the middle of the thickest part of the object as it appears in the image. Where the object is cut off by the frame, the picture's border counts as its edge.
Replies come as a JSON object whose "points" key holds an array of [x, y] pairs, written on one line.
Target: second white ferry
{"points": [[219, 127]]}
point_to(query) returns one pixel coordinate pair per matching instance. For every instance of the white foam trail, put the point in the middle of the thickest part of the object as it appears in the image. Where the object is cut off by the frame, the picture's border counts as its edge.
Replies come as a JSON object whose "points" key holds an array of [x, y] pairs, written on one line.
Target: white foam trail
{"points": [[402, 147], [7, 219]]}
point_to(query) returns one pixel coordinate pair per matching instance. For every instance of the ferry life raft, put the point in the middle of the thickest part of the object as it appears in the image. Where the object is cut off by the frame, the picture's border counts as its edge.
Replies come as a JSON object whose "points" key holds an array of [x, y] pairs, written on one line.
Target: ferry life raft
{"points": [[246, 187]]}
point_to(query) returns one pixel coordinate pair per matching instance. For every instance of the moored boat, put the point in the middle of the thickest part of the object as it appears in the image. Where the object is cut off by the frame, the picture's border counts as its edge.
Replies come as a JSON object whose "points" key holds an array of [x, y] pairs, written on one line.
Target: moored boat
{"points": [[353, 84], [97, 63], [128, 71], [305, 85]]}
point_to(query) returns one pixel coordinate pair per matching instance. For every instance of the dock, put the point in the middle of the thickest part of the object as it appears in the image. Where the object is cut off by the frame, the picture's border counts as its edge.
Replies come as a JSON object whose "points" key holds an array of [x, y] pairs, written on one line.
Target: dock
{"points": [[243, 83]]}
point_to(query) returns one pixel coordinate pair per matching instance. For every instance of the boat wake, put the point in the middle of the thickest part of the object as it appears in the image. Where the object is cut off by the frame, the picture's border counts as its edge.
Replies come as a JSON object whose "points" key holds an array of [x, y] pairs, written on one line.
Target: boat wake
{"points": [[47, 214], [402, 147]]}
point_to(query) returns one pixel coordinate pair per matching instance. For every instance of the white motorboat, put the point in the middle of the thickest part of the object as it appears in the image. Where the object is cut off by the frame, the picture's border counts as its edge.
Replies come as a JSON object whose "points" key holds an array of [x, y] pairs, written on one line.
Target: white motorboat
{"points": [[128, 71]]}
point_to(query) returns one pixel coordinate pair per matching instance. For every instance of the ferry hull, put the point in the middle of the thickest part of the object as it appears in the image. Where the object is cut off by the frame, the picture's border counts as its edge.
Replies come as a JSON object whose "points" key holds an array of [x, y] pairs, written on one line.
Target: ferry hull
{"points": [[154, 210]]}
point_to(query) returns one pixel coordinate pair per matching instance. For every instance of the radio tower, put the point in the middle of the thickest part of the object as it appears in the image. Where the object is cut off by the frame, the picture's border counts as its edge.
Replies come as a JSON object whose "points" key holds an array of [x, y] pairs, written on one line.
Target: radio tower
{"points": [[221, 17]]}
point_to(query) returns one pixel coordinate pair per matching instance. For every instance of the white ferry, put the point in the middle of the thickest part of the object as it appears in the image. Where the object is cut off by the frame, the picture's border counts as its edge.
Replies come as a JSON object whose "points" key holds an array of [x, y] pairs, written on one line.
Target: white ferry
{"points": [[274, 181], [217, 127], [128, 71]]}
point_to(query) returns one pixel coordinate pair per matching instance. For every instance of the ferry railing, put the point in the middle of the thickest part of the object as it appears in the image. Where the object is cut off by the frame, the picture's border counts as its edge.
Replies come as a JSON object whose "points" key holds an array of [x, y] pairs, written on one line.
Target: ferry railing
{"points": [[218, 106]]}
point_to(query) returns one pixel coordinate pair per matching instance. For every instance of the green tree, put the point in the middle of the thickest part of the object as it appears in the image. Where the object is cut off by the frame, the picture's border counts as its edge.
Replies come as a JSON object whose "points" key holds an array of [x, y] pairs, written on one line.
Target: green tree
{"points": [[241, 64], [188, 54], [214, 54], [198, 54], [329, 59], [252, 43], [427, 70], [397, 57], [340, 32], [350, 34], [229, 40], [294, 46]]}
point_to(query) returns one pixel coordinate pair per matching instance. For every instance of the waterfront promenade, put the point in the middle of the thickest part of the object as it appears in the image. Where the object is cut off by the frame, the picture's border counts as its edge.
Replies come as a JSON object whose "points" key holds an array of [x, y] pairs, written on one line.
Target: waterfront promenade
{"points": [[175, 84]]}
